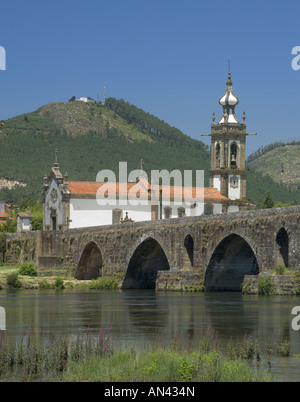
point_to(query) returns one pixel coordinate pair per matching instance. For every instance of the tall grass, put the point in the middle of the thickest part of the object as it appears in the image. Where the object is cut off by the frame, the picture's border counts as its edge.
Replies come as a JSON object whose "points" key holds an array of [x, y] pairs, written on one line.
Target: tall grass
{"points": [[26, 359], [91, 357]]}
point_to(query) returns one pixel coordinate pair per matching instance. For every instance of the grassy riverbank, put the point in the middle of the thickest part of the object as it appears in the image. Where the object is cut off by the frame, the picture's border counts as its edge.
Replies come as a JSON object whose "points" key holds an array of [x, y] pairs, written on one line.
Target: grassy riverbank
{"points": [[91, 358], [12, 277]]}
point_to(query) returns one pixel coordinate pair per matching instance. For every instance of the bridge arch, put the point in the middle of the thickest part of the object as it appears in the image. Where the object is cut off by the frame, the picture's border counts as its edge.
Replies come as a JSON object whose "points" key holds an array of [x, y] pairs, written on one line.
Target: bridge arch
{"points": [[232, 259], [282, 248], [148, 258], [90, 263], [189, 250]]}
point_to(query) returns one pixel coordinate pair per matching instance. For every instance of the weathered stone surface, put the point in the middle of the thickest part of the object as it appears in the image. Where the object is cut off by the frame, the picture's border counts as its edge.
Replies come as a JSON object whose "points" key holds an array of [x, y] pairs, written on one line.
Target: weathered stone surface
{"points": [[282, 284], [217, 245], [190, 281]]}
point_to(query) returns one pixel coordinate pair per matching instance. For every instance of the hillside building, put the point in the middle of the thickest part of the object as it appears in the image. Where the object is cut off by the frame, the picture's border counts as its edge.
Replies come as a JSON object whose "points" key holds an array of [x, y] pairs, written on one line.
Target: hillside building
{"points": [[24, 222], [71, 204], [4, 212]]}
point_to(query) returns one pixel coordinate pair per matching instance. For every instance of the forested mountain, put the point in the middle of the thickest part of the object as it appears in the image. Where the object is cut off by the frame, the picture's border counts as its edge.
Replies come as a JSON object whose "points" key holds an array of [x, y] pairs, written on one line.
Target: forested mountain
{"points": [[91, 137], [267, 148], [281, 162]]}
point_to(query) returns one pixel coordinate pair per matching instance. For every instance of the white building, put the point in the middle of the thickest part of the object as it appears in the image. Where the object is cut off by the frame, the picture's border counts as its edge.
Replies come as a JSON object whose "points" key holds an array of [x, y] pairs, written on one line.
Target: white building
{"points": [[76, 204], [83, 99], [24, 222]]}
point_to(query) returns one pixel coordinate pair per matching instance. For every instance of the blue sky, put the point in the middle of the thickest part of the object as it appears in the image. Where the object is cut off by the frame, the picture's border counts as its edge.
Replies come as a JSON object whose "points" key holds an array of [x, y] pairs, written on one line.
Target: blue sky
{"points": [[168, 57]]}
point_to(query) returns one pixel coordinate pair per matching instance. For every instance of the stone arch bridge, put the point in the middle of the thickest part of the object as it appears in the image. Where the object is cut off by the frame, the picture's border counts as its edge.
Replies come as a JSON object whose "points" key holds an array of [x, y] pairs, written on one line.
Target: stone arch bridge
{"points": [[220, 249]]}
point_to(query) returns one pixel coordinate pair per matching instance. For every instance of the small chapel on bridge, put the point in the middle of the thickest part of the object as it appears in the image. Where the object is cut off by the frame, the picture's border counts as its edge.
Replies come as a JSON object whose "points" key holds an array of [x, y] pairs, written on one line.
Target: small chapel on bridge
{"points": [[73, 204]]}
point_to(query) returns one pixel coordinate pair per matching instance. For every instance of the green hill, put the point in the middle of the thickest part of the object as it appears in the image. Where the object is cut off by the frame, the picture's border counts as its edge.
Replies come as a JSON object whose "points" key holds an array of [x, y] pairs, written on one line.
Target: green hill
{"points": [[91, 137], [282, 164]]}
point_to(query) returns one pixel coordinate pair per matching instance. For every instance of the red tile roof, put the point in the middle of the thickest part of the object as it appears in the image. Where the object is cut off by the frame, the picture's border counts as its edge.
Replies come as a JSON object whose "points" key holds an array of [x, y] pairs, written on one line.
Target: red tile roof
{"points": [[87, 187], [90, 187]]}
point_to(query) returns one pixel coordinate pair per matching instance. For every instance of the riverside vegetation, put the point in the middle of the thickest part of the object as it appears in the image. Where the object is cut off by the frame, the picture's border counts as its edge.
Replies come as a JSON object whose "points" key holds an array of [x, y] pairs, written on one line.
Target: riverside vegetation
{"points": [[266, 286], [25, 277], [91, 357]]}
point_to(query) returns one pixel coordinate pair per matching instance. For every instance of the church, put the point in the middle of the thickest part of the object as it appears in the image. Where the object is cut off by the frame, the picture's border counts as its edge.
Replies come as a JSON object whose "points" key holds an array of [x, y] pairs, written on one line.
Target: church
{"points": [[75, 204]]}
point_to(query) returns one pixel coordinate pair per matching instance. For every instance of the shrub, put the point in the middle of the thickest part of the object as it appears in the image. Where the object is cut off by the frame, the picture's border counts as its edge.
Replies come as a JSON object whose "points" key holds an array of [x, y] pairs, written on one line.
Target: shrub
{"points": [[104, 283], [13, 281], [59, 283], [44, 284], [28, 269], [265, 286], [280, 269]]}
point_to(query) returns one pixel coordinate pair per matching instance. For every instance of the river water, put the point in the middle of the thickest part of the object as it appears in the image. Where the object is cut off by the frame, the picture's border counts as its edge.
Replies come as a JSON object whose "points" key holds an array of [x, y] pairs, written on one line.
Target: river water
{"points": [[136, 317]]}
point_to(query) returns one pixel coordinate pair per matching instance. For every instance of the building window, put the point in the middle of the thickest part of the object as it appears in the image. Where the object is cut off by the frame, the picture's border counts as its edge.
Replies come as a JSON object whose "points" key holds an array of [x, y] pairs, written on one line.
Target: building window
{"points": [[53, 219], [181, 212], [116, 216], [208, 209], [233, 155], [168, 213], [218, 155]]}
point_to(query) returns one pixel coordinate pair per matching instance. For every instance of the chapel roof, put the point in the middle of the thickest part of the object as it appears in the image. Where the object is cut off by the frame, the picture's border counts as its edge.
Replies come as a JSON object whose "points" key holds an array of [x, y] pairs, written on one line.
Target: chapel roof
{"points": [[91, 188]]}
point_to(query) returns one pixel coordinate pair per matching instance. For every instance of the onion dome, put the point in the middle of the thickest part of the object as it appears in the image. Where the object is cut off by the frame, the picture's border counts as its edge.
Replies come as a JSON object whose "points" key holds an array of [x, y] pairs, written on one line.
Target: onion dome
{"points": [[228, 102], [229, 99]]}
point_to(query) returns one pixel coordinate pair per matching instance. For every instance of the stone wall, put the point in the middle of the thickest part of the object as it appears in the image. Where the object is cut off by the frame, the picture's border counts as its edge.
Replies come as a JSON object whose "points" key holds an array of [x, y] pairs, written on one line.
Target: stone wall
{"points": [[117, 243], [190, 281], [282, 284], [21, 247]]}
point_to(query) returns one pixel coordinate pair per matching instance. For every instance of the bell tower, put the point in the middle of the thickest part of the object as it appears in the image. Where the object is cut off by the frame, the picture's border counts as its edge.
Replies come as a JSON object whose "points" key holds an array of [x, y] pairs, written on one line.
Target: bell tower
{"points": [[228, 150]]}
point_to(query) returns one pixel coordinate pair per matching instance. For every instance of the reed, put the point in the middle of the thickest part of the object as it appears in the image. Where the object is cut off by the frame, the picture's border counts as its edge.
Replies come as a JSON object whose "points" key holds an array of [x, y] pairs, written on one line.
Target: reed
{"points": [[92, 357], [25, 359]]}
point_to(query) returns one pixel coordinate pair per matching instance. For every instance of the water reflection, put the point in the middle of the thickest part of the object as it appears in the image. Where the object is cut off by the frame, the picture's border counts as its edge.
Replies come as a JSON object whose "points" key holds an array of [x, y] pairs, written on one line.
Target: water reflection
{"points": [[136, 316]]}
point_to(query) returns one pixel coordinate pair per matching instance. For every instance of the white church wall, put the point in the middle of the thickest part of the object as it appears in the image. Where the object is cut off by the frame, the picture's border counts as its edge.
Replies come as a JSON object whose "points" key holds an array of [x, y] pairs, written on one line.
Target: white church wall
{"points": [[53, 202], [198, 211], [217, 208], [217, 182], [234, 191], [87, 213], [233, 208]]}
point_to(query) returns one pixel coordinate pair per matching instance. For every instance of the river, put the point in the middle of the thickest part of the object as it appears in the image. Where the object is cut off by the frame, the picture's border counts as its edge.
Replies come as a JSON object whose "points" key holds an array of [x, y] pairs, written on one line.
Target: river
{"points": [[137, 316]]}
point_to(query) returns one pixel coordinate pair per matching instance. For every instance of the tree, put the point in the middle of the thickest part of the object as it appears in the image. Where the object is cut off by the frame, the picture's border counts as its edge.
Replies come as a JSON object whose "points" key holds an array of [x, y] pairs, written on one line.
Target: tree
{"points": [[3, 244], [268, 201]]}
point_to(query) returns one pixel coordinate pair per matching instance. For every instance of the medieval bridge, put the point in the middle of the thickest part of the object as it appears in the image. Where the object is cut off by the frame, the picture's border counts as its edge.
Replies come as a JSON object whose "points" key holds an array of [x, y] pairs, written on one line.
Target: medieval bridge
{"points": [[222, 247]]}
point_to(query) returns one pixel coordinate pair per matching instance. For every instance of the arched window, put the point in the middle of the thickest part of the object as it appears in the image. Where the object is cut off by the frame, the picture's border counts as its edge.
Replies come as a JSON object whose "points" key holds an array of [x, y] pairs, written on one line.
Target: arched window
{"points": [[218, 155], [208, 209], [181, 212], [53, 217], [233, 155]]}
